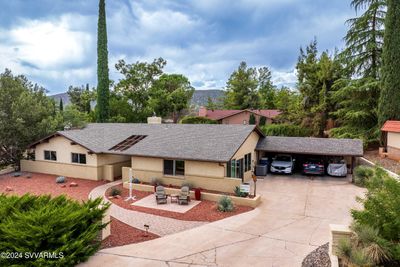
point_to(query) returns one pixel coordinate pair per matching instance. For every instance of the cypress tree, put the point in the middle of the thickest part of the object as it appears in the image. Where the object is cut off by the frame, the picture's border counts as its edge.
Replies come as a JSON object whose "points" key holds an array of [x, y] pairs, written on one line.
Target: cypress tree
{"points": [[103, 83], [61, 105], [87, 104], [252, 119], [389, 102]]}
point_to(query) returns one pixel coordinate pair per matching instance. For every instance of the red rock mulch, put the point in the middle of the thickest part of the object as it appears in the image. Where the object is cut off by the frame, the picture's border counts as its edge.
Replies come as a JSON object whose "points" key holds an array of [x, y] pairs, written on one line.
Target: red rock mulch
{"points": [[42, 184], [123, 234], [204, 211], [391, 165]]}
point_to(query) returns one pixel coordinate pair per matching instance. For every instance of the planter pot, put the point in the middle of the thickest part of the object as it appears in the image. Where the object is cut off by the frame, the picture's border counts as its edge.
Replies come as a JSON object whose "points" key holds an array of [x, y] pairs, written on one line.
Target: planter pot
{"points": [[197, 194]]}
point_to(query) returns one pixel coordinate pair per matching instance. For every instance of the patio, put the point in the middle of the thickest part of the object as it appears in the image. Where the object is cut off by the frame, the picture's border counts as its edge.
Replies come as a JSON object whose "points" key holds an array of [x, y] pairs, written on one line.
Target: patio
{"points": [[149, 202]]}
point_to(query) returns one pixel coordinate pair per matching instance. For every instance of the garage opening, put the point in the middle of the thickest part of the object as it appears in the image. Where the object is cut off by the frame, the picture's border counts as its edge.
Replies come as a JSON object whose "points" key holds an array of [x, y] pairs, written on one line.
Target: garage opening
{"points": [[307, 155]]}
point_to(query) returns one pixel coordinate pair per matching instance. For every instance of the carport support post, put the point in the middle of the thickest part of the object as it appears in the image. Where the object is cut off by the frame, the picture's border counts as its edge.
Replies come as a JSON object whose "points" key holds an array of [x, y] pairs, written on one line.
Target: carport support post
{"points": [[352, 168]]}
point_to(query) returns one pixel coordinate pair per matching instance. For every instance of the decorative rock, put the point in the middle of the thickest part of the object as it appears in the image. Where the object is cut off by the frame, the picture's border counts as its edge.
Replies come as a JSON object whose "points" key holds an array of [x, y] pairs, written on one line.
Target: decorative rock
{"points": [[118, 196], [16, 174], [73, 184], [63, 185], [8, 189], [318, 257], [60, 179]]}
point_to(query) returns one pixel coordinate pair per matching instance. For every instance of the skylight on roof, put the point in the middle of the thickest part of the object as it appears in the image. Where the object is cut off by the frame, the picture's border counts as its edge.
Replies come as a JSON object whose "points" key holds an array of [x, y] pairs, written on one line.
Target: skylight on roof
{"points": [[127, 143]]}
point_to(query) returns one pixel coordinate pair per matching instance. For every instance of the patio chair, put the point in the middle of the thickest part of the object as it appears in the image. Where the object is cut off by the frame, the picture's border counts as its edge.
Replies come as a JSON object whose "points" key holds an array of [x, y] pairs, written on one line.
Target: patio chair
{"points": [[161, 196], [184, 196]]}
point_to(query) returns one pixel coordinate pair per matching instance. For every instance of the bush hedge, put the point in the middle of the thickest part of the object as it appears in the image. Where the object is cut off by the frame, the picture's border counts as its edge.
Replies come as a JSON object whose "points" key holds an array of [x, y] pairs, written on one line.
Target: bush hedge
{"points": [[362, 174], [286, 130], [64, 231], [197, 120], [376, 228]]}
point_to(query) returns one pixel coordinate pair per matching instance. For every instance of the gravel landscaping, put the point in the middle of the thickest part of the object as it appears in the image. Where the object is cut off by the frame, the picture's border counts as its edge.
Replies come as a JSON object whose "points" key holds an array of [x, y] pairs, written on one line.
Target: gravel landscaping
{"points": [[123, 234], [318, 257], [391, 165], [41, 184], [205, 211]]}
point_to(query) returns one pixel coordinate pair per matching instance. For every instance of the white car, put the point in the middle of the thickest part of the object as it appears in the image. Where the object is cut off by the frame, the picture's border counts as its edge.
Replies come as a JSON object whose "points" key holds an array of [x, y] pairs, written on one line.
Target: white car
{"points": [[337, 169], [282, 164]]}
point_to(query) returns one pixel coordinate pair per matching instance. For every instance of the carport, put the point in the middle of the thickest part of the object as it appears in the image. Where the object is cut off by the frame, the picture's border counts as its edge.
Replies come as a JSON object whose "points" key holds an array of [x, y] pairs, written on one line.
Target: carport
{"points": [[350, 149]]}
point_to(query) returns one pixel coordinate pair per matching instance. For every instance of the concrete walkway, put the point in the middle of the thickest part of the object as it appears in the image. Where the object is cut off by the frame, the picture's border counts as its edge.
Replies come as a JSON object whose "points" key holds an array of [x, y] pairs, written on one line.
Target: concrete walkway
{"points": [[292, 220], [158, 225]]}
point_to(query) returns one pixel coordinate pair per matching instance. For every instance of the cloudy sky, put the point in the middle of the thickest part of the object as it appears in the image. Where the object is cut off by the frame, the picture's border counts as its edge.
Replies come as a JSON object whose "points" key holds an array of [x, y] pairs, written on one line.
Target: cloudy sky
{"points": [[53, 42]]}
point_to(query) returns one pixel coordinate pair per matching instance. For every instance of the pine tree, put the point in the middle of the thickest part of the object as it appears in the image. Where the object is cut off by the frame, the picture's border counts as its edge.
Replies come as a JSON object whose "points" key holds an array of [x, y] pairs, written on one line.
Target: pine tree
{"points": [[389, 102], [103, 83], [357, 93], [61, 105]]}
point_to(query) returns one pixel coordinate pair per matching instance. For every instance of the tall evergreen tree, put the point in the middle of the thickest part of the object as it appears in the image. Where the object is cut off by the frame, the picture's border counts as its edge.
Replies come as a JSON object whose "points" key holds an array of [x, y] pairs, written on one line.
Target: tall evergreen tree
{"points": [[61, 105], [103, 82], [357, 93], [87, 104], [389, 102], [316, 76]]}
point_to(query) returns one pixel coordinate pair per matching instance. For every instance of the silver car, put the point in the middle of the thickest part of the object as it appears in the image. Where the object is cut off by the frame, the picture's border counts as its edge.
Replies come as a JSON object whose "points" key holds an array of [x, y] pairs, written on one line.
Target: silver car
{"points": [[282, 164]]}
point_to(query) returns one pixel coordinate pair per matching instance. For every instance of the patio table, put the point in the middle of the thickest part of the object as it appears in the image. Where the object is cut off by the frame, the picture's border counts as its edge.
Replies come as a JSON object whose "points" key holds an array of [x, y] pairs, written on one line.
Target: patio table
{"points": [[174, 198]]}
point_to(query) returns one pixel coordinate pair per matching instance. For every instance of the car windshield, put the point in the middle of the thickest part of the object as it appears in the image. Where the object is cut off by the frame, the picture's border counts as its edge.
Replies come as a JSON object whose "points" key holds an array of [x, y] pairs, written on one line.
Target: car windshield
{"points": [[283, 158]]}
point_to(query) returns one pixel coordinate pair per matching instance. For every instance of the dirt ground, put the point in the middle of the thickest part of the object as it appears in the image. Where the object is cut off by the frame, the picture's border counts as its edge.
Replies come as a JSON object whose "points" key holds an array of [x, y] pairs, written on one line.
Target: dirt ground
{"points": [[392, 165]]}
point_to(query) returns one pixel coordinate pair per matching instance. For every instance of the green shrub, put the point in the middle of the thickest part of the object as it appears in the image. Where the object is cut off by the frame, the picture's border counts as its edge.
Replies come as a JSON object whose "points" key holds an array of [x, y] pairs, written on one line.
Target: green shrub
{"points": [[136, 181], [115, 191], [238, 193], [225, 204], [285, 130], [378, 224], [263, 121], [197, 120], [362, 174], [44, 224], [252, 119]]}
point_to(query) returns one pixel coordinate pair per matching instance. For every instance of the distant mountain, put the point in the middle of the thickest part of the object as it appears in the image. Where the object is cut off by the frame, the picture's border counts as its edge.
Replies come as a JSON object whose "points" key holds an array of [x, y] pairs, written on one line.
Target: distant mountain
{"points": [[63, 96], [200, 97]]}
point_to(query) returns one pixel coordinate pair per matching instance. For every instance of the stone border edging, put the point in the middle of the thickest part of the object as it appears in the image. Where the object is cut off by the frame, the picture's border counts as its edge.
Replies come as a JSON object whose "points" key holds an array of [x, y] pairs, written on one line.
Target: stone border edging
{"points": [[249, 202], [372, 164]]}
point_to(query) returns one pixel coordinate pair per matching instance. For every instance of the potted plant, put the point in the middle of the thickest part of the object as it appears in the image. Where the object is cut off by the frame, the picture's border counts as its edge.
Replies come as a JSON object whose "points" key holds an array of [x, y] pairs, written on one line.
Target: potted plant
{"points": [[197, 193]]}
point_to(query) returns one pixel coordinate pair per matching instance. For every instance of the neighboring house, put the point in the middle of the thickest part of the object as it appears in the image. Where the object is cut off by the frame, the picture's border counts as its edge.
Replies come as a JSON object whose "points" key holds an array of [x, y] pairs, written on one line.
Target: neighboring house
{"points": [[391, 139], [231, 116], [210, 156]]}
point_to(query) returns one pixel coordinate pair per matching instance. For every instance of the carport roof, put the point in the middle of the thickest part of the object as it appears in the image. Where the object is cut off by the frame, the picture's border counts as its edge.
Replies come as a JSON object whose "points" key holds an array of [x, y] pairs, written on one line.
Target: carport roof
{"points": [[311, 146]]}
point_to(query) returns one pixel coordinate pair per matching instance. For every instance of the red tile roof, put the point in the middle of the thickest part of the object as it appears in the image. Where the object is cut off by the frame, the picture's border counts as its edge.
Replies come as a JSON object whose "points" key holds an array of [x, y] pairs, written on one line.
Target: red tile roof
{"points": [[220, 114], [391, 126]]}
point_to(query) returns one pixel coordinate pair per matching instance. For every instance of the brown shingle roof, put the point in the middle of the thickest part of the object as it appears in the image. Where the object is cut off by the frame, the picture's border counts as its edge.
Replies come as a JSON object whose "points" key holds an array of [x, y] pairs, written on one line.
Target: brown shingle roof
{"points": [[224, 113], [312, 146], [205, 142]]}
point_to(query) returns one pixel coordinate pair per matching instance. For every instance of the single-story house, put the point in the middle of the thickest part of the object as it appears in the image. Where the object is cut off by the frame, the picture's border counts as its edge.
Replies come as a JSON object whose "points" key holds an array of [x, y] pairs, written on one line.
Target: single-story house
{"points": [[210, 156], [231, 116], [391, 139]]}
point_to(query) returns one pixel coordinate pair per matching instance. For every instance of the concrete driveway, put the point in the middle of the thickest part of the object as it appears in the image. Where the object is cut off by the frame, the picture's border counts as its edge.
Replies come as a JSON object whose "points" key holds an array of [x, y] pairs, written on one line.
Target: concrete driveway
{"points": [[292, 220]]}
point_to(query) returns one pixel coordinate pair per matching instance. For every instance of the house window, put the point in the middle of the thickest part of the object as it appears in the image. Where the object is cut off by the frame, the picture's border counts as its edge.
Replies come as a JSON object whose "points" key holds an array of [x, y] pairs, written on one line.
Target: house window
{"points": [[78, 158], [50, 155], [235, 168], [247, 162], [174, 167]]}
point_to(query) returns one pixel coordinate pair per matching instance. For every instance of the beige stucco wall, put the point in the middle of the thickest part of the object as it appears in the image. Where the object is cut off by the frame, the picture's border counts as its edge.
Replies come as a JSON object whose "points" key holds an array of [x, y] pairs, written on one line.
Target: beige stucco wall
{"points": [[248, 147], [208, 175], [64, 149], [97, 167], [56, 168], [393, 140]]}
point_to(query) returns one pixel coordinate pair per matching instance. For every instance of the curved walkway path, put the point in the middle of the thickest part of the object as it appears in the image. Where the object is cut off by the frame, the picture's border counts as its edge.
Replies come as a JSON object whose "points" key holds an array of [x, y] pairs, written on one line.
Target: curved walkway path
{"points": [[158, 225], [292, 220]]}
